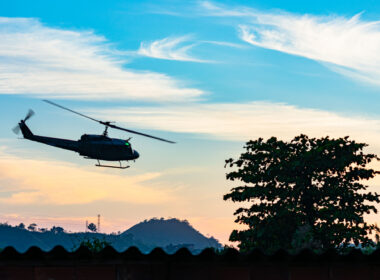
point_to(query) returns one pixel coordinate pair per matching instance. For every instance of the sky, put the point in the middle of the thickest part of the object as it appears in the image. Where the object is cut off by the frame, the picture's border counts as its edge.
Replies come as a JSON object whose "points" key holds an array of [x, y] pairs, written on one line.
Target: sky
{"points": [[210, 75]]}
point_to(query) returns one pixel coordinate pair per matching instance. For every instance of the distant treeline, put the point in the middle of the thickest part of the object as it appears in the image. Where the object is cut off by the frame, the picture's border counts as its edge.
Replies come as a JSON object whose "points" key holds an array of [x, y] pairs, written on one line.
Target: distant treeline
{"points": [[169, 234]]}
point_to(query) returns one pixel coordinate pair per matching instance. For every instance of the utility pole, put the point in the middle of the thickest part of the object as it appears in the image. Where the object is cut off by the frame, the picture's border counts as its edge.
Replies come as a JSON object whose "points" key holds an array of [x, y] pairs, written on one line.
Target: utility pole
{"points": [[98, 222], [86, 226]]}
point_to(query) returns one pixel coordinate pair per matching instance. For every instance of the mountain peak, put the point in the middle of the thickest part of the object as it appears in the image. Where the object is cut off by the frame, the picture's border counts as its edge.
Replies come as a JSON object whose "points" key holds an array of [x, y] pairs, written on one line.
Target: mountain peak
{"points": [[164, 232]]}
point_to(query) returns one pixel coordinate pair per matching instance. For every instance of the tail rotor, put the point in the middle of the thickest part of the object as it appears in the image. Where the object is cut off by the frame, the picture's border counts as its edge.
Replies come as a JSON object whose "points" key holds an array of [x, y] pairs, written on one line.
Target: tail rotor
{"points": [[17, 128], [29, 115]]}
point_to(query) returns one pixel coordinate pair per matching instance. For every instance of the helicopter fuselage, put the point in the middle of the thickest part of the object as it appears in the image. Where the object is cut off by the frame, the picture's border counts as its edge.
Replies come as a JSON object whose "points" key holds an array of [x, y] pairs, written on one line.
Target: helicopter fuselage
{"points": [[105, 148], [98, 147]]}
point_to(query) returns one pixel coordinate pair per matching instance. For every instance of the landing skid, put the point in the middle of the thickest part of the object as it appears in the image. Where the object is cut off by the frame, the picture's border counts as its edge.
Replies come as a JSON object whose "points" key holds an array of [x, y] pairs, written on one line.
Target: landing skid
{"points": [[112, 166]]}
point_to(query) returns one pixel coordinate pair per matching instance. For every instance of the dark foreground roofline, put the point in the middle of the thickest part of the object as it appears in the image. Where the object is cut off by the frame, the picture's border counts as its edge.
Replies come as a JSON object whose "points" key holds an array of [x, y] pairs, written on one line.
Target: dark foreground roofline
{"points": [[183, 254], [158, 265]]}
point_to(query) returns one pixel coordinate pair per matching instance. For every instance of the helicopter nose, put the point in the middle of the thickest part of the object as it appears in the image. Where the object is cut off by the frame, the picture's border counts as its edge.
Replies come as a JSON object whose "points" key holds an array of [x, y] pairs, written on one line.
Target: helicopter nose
{"points": [[136, 154]]}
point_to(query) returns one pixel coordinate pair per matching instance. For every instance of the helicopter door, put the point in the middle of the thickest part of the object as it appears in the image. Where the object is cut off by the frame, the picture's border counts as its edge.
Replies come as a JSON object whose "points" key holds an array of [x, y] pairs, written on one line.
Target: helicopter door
{"points": [[97, 149]]}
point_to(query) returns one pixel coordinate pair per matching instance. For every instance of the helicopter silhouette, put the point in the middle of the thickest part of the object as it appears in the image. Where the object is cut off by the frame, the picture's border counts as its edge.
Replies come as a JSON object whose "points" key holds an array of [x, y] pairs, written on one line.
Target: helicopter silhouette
{"points": [[98, 147]]}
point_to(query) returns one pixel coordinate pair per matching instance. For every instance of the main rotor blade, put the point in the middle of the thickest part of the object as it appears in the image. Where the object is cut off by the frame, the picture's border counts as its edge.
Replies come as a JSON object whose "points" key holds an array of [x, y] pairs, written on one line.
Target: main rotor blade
{"points": [[109, 124], [67, 109], [139, 133]]}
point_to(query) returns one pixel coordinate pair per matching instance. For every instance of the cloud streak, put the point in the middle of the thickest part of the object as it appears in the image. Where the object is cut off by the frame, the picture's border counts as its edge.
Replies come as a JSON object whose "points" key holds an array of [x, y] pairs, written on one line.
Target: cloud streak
{"points": [[348, 46], [242, 122], [170, 48], [45, 61], [178, 48]]}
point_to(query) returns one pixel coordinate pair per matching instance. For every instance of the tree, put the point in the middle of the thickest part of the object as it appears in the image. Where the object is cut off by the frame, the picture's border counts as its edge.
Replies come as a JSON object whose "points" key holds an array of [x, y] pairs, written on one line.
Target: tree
{"points": [[306, 193], [92, 227], [21, 226], [94, 244], [32, 227], [56, 230]]}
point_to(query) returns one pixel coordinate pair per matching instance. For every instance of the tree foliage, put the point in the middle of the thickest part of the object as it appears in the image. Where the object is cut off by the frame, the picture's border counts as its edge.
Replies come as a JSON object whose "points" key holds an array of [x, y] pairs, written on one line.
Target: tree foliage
{"points": [[306, 193], [92, 227], [95, 244], [32, 227], [21, 226], [56, 230]]}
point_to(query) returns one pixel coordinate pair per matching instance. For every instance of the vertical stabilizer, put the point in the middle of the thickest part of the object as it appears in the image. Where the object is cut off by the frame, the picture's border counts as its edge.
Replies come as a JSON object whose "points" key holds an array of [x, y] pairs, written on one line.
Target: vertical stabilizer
{"points": [[26, 132]]}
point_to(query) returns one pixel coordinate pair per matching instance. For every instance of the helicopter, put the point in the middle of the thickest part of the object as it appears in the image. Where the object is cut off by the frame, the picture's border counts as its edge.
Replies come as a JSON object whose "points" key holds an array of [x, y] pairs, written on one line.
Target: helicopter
{"points": [[98, 147]]}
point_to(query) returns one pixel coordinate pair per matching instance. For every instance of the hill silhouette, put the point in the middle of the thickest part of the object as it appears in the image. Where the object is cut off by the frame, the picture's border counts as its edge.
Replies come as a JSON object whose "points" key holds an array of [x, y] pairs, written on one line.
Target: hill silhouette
{"points": [[170, 235], [171, 232]]}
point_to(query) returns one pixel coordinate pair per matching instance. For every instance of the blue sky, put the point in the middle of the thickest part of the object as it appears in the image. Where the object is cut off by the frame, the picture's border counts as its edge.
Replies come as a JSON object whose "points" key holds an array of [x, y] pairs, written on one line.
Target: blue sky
{"points": [[255, 73], [209, 75]]}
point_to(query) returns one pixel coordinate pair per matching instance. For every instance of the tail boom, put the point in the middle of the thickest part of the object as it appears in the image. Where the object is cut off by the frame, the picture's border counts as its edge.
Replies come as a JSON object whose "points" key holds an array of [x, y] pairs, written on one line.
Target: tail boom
{"points": [[56, 142]]}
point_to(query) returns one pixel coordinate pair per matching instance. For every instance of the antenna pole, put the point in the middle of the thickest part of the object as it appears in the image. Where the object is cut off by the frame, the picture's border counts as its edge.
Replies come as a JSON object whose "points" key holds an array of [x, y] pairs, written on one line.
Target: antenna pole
{"points": [[98, 222]]}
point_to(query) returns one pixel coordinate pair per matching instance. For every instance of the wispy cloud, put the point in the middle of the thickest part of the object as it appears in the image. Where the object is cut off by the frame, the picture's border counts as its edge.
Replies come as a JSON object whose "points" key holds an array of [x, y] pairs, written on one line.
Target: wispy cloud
{"points": [[225, 44], [241, 122], [40, 60], [346, 45], [170, 48], [208, 8]]}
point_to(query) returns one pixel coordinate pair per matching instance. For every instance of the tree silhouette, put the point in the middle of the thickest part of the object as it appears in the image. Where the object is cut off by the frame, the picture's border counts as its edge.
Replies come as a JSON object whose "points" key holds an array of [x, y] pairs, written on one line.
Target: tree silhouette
{"points": [[21, 226], [32, 227], [306, 193], [56, 230], [93, 244], [92, 227]]}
